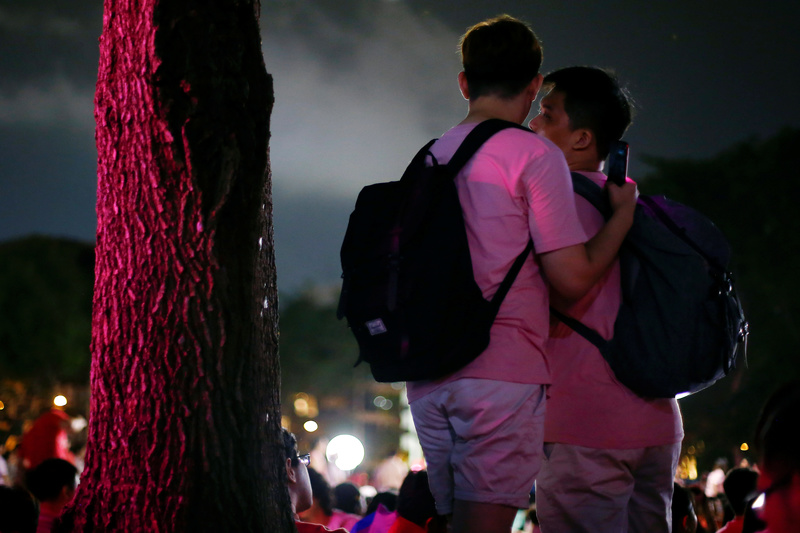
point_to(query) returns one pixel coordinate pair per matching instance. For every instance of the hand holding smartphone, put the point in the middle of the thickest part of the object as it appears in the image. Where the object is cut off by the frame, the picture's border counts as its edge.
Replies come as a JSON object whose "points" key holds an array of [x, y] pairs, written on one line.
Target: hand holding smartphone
{"points": [[618, 162]]}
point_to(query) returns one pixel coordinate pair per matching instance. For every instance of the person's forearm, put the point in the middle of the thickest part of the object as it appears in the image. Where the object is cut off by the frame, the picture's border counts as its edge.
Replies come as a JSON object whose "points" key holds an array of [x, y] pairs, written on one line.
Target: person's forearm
{"points": [[575, 276], [602, 249]]}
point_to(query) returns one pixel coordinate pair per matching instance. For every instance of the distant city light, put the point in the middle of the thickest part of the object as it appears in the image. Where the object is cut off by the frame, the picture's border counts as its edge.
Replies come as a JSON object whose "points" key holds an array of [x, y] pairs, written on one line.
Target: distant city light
{"points": [[305, 405], [744, 447], [311, 426], [78, 423], [345, 451], [60, 401], [759, 503], [382, 403], [301, 406]]}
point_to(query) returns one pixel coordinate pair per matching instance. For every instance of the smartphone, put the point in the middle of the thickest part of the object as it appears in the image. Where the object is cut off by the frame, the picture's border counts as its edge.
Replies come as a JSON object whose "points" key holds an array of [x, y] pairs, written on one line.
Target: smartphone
{"points": [[618, 162]]}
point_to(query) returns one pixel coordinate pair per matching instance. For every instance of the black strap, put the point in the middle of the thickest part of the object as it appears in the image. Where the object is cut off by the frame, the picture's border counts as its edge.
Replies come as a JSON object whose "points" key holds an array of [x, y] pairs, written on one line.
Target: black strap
{"points": [[475, 139], [591, 192], [505, 285], [581, 329]]}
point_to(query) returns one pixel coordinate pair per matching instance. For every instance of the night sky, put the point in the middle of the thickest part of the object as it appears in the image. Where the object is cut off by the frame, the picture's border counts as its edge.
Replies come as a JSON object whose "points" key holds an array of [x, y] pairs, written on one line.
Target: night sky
{"points": [[361, 84]]}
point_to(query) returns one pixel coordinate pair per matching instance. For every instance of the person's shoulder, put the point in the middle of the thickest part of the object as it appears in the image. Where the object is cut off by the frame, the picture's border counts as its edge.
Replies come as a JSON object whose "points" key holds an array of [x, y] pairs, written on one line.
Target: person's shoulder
{"points": [[534, 145]]}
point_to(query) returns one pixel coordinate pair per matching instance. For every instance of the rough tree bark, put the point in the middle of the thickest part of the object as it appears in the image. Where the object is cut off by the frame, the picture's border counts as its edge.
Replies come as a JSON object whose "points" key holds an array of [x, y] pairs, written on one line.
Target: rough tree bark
{"points": [[185, 418]]}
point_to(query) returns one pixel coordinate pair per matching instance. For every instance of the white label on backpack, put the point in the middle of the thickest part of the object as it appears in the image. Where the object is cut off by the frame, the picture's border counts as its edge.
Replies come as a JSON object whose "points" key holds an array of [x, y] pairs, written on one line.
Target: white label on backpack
{"points": [[376, 327]]}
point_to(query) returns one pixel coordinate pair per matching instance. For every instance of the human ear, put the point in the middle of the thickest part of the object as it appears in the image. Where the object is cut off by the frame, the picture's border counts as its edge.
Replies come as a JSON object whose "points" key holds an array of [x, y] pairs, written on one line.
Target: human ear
{"points": [[535, 85], [463, 85], [290, 471], [582, 139]]}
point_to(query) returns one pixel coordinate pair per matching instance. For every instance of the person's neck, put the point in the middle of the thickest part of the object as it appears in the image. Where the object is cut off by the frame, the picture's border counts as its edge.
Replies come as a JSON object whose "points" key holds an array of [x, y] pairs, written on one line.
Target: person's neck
{"points": [[576, 163], [51, 508], [316, 515], [487, 107]]}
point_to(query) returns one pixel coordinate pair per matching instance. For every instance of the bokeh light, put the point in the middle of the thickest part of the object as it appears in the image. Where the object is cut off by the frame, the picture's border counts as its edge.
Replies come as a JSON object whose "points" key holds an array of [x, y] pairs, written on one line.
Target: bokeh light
{"points": [[345, 451]]}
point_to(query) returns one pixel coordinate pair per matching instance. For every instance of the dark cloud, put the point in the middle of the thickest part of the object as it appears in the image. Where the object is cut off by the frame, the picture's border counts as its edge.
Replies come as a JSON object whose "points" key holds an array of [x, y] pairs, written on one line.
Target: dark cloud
{"points": [[360, 85]]}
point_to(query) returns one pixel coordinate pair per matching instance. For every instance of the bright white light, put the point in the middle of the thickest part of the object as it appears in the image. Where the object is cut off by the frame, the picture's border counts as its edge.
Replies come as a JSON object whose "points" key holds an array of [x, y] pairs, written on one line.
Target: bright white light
{"points": [[59, 401], [311, 426], [345, 451], [759, 503], [682, 395], [78, 423]]}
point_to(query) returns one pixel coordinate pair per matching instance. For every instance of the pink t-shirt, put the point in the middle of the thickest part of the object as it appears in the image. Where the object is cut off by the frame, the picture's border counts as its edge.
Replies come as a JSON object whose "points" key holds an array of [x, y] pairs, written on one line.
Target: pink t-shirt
{"points": [[516, 187], [586, 405]]}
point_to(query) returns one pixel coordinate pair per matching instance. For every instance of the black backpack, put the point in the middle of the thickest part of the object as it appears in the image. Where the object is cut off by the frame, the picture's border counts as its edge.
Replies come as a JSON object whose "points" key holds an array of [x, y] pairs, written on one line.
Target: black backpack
{"points": [[680, 323], [408, 291]]}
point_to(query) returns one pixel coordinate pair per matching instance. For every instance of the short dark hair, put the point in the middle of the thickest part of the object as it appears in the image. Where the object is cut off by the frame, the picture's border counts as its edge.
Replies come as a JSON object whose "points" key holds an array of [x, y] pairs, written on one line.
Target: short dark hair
{"points": [[19, 511], [500, 56], [48, 479], [738, 485], [290, 446], [777, 439], [388, 499], [682, 507], [348, 498], [415, 502], [321, 490], [593, 99]]}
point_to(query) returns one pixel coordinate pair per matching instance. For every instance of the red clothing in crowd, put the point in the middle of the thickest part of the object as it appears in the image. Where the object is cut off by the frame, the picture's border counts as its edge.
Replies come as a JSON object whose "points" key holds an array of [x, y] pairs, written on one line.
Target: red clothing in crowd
{"points": [[47, 438]]}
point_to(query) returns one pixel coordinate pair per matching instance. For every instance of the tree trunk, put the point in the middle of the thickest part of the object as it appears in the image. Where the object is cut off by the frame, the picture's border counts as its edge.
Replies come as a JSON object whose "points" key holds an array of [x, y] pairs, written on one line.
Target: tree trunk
{"points": [[185, 418]]}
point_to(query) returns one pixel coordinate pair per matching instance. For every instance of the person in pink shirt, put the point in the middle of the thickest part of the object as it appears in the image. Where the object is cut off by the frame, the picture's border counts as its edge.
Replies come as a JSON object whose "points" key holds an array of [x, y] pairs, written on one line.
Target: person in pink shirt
{"points": [[610, 455], [481, 427], [53, 482]]}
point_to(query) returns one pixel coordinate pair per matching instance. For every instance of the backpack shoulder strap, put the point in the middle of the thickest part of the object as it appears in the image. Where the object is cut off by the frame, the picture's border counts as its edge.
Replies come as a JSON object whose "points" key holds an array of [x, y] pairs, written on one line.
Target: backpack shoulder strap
{"points": [[581, 329], [475, 139], [592, 192]]}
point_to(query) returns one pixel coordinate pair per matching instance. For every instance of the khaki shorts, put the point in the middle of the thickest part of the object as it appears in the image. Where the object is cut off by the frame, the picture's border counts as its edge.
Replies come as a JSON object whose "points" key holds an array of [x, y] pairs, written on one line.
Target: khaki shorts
{"points": [[596, 490], [482, 441]]}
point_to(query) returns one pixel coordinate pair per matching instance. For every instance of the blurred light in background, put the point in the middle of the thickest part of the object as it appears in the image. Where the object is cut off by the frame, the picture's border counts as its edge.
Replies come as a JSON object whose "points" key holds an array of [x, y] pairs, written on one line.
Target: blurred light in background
{"points": [[305, 405], [383, 403], [59, 401], [744, 447], [345, 451], [311, 426], [78, 423]]}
